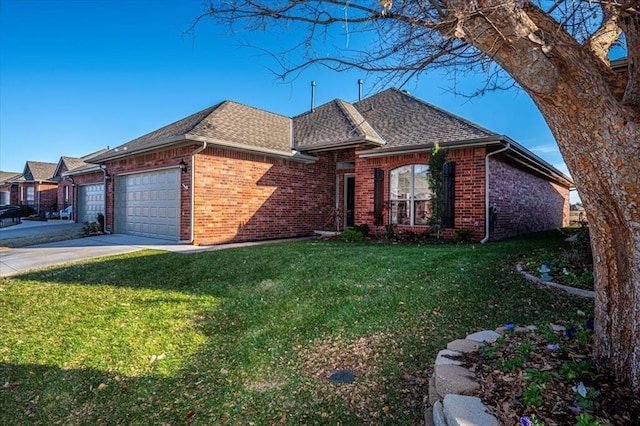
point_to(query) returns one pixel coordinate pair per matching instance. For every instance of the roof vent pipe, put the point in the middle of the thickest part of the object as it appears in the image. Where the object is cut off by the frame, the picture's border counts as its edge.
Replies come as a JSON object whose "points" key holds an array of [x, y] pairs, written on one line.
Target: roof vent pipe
{"points": [[360, 89], [313, 95]]}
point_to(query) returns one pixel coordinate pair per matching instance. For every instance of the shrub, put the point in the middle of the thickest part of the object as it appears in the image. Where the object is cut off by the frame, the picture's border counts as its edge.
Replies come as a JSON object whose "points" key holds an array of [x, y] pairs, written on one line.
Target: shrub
{"points": [[363, 229], [389, 230], [26, 211], [93, 228], [462, 235], [100, 219], [351, 235]]}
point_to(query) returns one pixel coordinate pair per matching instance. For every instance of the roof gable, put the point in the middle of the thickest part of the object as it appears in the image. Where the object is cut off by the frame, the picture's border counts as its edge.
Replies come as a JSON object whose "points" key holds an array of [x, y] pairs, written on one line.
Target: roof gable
{"points": [[334, 123], [74, 164], [67, 163], [39, 171]]}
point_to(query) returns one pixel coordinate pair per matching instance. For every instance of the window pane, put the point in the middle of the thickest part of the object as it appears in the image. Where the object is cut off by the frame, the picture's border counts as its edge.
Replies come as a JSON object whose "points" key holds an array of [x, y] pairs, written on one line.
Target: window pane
{"points": [[400, 212], [400, 183], [421, 182], [422, 211]]}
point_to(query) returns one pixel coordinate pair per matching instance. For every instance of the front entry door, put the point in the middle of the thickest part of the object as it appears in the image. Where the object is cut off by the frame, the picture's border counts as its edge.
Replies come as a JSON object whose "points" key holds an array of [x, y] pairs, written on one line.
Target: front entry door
{"points": [[350, 200]]}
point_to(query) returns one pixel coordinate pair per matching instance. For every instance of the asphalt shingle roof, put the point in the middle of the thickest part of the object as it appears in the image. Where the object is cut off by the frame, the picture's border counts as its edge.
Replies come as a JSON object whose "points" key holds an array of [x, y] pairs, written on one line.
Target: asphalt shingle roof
{"points": [[405, 120], [39, 171], [227, 121], [335, 122], [9, 176], [389, 119], [74, 163]]}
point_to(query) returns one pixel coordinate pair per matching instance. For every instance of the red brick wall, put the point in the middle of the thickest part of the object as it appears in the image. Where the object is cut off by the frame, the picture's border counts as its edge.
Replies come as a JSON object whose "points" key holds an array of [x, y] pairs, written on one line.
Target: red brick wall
{"points": [[526, 203], [150, 162], [243, 196], [343, 156], [62, 185], [78, 180], [12, 189], [469, 188], [45, 195]]}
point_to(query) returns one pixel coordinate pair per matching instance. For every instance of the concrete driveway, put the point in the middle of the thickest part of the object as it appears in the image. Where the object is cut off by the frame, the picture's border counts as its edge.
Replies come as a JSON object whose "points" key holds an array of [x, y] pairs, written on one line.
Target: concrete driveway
{"points": [[13, 261], [18, 260], [34, 227]]}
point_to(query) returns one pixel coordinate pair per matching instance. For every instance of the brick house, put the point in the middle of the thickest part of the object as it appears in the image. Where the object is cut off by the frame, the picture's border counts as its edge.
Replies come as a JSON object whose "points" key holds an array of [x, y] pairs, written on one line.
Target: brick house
{"points": [[37, 188], [80, 185], [236, 173], [9, 188]]}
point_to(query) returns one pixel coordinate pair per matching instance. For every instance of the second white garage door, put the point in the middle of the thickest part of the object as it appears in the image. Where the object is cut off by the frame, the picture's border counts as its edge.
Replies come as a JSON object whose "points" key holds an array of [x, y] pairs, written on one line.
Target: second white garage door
{"points": [[148, 204], [90, 202]]}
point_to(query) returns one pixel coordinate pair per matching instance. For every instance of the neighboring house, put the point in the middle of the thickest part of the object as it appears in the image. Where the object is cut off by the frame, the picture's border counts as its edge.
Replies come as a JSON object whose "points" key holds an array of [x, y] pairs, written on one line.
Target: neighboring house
{"points": [[37, 188], [81, 185], [9, 188], [235, 173]]}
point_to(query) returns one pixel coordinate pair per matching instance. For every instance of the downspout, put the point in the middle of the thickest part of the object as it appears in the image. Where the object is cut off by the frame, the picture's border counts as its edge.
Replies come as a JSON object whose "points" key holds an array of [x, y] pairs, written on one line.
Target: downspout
{"points": [[37, 189], [193, 200], [103, 167], [73, 195], [486, 190]]}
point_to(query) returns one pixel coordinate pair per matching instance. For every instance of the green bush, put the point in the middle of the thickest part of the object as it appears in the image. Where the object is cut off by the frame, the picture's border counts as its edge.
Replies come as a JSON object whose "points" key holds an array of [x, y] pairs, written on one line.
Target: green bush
{"points": [[26, 211], [351, 235], [389, 231], [462, 235], [364, 229], [100, 220]]}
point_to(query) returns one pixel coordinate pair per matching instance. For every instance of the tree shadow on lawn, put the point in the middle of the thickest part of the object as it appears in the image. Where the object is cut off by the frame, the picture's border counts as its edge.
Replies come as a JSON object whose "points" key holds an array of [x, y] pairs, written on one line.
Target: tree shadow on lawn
{"points": [[244, 371]]}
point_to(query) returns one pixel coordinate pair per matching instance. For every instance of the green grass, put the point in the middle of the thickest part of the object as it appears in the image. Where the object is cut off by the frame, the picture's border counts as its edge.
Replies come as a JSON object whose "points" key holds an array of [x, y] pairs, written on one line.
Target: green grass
{"points": [[249, 335]]}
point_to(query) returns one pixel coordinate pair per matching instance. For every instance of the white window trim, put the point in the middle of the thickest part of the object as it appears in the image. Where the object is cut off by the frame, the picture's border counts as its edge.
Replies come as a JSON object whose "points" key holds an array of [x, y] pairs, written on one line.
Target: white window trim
{"points": [[411, 200]]}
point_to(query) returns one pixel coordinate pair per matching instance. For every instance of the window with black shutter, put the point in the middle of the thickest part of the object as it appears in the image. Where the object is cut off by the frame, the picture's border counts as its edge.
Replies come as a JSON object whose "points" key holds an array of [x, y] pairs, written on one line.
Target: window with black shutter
{"points": [[449, 186], [378, 196]]}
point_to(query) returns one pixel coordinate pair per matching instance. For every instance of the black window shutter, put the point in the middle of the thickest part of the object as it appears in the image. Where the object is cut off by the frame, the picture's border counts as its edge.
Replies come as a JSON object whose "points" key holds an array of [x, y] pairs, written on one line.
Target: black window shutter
{"points": [[378, 196], [449, 185]]}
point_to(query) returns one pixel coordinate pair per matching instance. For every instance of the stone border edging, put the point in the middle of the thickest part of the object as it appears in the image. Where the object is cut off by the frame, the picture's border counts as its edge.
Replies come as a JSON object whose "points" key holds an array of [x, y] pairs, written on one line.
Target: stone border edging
{"points": [[572, 290], [451, 387]]}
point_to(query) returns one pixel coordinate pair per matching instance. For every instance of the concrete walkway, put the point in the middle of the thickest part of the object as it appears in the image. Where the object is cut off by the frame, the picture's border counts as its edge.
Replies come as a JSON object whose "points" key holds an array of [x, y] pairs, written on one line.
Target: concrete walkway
{"points": [[18, 260]]}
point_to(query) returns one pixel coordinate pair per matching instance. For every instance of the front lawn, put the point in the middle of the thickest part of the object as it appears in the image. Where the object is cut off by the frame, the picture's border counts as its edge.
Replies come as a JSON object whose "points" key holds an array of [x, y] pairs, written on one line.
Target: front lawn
{"points": [[250, 335]]}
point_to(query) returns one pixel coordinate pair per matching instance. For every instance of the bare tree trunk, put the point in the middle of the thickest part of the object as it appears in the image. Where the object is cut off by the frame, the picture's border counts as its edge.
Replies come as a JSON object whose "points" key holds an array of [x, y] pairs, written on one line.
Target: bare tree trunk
{"points": [[599, 136], [611, 196]]}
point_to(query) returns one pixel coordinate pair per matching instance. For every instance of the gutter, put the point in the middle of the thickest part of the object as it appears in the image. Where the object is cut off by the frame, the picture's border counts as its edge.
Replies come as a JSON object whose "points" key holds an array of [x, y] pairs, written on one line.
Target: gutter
{"points": [[193, 200], [410, 149], [329, 146], [486, 190], [188, 139], [70, 173]]}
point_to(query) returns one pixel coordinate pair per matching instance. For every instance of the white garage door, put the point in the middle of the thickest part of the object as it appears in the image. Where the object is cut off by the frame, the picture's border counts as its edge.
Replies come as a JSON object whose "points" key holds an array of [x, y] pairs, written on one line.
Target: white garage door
{"points": [[90, 202], [148, 204]]}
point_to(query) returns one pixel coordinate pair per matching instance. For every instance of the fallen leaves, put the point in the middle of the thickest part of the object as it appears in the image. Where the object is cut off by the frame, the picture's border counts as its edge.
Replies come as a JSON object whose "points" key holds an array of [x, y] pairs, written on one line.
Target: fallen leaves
{"points": [[504, 391]]}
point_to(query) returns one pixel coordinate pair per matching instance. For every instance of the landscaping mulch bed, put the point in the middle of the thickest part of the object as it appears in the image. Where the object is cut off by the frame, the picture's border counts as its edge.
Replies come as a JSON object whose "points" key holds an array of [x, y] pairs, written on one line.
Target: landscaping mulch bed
{"points": [[536, 378]]}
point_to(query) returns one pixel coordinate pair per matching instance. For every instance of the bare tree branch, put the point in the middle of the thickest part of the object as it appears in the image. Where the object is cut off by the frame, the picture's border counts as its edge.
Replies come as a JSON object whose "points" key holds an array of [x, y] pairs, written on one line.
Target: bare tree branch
{"points": [[609, 32]]}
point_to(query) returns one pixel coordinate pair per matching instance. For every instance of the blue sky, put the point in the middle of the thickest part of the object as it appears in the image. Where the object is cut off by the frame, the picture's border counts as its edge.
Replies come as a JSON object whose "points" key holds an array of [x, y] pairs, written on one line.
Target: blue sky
{"points": [[80, 75]]}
